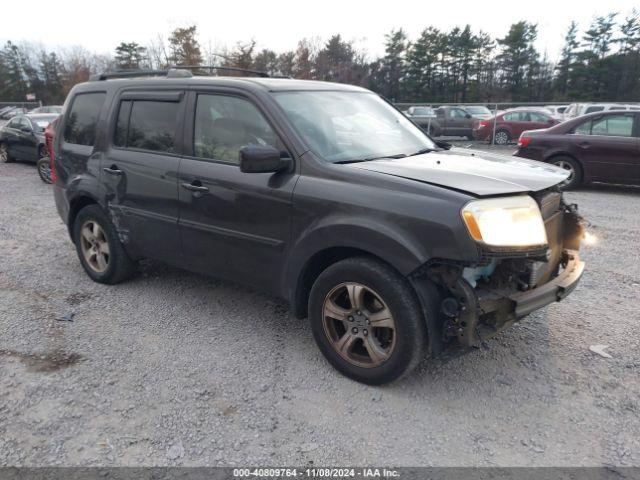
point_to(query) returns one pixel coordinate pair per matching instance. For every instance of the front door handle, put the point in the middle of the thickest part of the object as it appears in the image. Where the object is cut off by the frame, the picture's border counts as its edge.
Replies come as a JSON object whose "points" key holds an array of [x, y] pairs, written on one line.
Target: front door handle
{"points": [[112, 170], [584, 145], [195, 186]]}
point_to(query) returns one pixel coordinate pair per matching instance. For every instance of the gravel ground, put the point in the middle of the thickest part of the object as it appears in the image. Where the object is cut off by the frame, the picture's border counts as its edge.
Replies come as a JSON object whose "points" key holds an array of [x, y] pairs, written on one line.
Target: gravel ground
{"points": [[173, 368]]}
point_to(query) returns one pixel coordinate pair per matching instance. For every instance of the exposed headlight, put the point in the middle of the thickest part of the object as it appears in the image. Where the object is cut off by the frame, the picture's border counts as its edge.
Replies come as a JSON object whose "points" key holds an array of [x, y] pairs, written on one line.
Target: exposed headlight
{"points": [[505, 222]]}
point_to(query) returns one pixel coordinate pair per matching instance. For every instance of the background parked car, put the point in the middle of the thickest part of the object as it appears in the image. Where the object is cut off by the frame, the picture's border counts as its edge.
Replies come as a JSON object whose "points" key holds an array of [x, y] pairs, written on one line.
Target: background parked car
{"points": [[598, 147], [452, 121], [576, 109], [557, 111], [423, 116], [478, 111], [22, 138], [12, 112], [511, 123], [55, 109]]}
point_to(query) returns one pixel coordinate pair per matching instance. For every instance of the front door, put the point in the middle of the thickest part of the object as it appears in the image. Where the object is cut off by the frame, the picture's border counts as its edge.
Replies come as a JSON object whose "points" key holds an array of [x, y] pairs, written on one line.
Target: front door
{"points": [[233, 225], [458, 123], [609, 148], [139, 172]]}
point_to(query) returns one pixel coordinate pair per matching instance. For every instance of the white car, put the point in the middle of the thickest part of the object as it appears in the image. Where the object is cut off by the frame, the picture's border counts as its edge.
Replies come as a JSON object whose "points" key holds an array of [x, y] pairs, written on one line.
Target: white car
{"points": [[578, 109], [557, 111]]}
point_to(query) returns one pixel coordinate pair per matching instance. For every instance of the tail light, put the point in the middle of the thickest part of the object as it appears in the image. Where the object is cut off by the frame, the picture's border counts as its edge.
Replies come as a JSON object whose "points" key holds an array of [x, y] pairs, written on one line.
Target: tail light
{"points": [[523, 142], [483, 123], [49, 134]]}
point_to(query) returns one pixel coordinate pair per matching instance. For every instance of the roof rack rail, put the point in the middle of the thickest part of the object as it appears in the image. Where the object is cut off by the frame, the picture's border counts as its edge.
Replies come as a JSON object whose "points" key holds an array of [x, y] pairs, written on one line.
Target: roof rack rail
{"points": [[211, 68], [132, 73]]}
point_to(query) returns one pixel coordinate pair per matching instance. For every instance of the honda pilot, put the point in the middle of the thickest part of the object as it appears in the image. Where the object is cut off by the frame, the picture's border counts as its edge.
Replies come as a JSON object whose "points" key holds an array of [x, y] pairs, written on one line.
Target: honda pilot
{"points": [[393, 246]]}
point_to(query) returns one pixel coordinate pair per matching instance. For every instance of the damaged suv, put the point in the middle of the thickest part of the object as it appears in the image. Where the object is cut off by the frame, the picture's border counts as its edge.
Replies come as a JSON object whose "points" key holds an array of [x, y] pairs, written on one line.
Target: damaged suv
{"points": [[323, 194]]}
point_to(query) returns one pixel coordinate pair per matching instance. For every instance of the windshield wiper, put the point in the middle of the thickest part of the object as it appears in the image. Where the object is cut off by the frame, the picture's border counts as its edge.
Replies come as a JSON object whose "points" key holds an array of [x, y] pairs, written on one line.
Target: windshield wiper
{"points": [[420, 152], [369, 159]]}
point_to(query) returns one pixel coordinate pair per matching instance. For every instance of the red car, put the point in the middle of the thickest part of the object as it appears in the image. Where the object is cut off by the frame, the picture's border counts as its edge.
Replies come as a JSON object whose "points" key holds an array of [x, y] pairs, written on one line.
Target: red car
{"points": [[511, 123]]}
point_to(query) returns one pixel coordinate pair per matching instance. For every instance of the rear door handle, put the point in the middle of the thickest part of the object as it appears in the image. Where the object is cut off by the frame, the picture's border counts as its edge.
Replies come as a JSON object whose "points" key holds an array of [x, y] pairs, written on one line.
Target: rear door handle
{"points": [[195, 186], [112, 170]]}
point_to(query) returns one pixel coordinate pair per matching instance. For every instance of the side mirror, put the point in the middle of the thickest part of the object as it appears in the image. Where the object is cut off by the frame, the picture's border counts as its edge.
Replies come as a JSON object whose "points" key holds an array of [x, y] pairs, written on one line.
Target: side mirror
{"points": [[468, 115], [262, 159], [26, 129]]}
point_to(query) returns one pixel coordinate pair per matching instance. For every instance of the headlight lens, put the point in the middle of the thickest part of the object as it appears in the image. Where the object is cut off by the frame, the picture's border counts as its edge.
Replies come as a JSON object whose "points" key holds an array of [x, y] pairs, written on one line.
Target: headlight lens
{"points": [[505, 222]]}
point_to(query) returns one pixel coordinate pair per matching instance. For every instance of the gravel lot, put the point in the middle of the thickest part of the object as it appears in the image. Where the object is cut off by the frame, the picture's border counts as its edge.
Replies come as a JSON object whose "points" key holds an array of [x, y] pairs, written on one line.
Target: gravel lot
{"points": [[173, 368]]}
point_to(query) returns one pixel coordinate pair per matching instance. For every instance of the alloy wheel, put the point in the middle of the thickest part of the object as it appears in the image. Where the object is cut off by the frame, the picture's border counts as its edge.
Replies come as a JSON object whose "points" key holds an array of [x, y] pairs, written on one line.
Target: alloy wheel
{"points": [[567, 167], [359, 325], [501, 138], [44, 169], [95, 246]]}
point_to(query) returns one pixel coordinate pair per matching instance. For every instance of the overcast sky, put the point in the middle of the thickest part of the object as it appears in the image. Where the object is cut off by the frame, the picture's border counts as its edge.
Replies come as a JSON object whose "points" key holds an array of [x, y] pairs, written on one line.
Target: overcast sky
{"points": [[279, 24]]}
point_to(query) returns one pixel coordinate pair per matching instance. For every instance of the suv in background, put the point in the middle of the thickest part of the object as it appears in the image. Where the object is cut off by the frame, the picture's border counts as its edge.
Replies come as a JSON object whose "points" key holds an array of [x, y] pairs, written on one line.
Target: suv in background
{"points": [[578, 109], [322, 194]]}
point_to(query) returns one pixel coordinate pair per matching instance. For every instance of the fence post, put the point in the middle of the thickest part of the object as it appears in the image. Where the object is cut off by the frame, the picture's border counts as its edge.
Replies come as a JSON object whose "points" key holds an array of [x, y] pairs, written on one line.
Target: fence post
{"points": [[495, 119]]}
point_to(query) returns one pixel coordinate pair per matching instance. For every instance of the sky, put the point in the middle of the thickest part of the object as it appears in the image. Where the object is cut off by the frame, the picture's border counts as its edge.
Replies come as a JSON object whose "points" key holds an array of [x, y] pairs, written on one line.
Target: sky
{"points": [[279, 24]]}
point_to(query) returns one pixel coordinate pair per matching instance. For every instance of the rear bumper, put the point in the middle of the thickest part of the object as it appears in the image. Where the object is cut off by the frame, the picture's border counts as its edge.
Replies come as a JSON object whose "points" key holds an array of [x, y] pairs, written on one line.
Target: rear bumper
{"points": [[552, 291]]}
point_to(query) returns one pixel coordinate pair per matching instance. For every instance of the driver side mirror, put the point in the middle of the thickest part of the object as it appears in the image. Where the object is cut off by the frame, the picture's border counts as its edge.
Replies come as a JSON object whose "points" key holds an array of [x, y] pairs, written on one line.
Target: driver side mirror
{"points": [[468, 115], [26, 129], [262, 159]]}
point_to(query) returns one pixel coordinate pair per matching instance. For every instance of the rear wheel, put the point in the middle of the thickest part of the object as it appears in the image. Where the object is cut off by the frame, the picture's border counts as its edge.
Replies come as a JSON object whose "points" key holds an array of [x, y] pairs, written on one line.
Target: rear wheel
{"points": [[501, 137], [574, 170], [367, 320], [4, 154], [99, 249], [44, 169]]}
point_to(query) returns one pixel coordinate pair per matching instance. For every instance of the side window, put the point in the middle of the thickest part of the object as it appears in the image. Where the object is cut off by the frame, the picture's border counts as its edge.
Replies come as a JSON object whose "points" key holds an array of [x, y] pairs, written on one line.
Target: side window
{"points": [[147, 125], [617, 107], [225, 124], [539, 117], [511, 117], [458, 113], [593, 109], [614, 126], [15, 123], [80, 126], [583, 129]]}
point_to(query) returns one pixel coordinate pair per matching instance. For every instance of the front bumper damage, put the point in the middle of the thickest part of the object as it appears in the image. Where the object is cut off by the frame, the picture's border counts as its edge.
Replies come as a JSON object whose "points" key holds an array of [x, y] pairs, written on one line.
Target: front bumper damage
{"points": [[479, 300]]}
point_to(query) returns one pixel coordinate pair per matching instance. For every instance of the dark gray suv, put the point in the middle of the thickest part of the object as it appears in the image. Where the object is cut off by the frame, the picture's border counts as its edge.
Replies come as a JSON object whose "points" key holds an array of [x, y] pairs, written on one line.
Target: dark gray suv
{"points": [[322, 194]]}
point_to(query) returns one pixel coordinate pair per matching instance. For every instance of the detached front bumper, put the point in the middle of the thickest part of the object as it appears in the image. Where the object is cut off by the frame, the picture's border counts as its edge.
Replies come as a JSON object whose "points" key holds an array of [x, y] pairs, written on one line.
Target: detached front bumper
{"points": [[552, 291]]}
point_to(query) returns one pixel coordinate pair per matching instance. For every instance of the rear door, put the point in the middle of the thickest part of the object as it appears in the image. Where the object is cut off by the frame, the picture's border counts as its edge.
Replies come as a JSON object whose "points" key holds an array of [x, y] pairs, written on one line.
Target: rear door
{"points": [[608, 147], [140, 168], [12, 136], [76, 152], [234, 225]]}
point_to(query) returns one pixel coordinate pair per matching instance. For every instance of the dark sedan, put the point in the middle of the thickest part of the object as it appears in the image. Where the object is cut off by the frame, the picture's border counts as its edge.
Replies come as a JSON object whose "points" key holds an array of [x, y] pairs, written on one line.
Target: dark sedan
{"points": [[599, 147], [22, 138]]}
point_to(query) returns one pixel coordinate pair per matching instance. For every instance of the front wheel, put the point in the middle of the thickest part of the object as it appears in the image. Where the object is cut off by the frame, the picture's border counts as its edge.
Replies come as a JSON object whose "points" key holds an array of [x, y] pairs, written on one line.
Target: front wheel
{"points": [[572, 167], [44, 169], [367, 320]]}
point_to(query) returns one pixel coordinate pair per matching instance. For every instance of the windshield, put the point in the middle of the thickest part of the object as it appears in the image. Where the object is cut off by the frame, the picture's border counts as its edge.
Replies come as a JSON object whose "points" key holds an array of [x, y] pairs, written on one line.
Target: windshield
{"points": [[43, 122], [478, 110], [351, 126]]}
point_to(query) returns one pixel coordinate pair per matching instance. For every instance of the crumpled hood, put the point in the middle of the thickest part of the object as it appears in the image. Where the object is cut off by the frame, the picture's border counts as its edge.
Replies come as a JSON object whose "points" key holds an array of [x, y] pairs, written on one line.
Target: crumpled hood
{"points": [[473, 171]]}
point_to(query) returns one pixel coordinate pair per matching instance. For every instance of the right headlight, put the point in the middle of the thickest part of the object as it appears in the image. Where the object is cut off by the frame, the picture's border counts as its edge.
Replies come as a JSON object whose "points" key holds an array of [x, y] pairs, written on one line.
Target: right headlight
{"points": [[505, 222]]}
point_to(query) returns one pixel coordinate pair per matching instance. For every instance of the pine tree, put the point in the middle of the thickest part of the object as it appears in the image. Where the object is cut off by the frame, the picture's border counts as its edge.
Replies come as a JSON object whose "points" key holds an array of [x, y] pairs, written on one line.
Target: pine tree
{"points": [[130, 55], [184, 46]]}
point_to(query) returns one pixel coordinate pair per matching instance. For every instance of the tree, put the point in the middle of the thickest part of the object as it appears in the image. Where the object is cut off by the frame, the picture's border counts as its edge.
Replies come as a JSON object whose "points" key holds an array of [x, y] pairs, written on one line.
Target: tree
{"points": [[517, 58], [130, 55], [393, 63], [184, 46]]}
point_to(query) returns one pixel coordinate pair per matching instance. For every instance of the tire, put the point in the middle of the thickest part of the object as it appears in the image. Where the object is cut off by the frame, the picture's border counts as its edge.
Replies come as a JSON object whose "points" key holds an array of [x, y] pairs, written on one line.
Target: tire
{"points": [[370, 354], [116, 266], [44, 169], [571, 165], [501, 137], [4, 154]]}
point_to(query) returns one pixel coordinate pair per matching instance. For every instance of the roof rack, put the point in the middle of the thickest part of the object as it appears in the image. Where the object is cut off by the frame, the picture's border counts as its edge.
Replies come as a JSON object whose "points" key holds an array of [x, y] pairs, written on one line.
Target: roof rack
{"points": [[132, 73], [176, 71], [211, 68]]}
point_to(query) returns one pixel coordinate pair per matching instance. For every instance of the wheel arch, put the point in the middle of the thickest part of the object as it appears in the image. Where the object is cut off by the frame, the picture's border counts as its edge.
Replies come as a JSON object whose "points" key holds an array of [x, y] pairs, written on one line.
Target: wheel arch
{"points": [[562, 153], [327, 246], [77, 203]]}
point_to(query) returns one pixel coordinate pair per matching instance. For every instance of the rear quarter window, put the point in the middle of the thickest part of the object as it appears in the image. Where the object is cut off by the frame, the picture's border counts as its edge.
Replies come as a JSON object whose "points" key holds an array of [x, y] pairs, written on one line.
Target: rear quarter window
{"points": [[81, 122]]}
